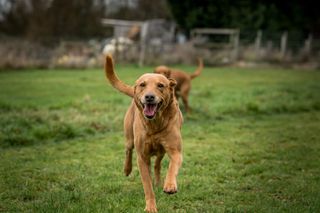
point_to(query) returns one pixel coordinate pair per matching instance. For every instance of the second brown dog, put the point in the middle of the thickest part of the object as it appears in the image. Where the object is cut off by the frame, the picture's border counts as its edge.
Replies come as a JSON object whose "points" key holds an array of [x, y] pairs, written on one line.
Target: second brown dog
{"points": [[183, 81]]}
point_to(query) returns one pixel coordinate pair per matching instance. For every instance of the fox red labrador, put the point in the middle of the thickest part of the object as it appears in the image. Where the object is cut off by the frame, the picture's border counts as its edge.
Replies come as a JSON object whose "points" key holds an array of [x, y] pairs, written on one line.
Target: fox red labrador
{"points": [[152, 126]]}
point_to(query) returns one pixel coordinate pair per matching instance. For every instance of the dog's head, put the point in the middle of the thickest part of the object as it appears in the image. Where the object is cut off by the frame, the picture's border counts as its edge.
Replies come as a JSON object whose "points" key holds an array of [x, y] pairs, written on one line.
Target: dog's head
{"points": [[153, 93], [163, 70]]}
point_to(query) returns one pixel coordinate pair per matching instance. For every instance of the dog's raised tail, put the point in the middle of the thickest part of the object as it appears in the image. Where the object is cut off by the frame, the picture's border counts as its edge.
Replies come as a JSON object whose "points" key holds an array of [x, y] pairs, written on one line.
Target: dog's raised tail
{"points": [[113, 78], [198, 70]]}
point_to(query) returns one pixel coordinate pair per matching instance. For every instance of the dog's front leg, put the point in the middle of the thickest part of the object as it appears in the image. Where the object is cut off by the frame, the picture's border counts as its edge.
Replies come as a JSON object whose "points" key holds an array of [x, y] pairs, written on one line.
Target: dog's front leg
{"points": [[144, 167], [170, 185]]}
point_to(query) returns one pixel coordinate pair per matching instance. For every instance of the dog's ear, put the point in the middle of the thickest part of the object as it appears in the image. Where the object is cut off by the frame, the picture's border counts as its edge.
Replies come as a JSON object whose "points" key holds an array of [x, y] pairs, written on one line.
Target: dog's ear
{"points": [[167, 73], [173, 82], [134, 89]]}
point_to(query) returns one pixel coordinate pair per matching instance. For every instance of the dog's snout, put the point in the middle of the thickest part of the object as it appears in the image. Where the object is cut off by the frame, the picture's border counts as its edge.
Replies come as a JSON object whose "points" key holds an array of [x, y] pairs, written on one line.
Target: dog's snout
{"points": [[149, 98]]}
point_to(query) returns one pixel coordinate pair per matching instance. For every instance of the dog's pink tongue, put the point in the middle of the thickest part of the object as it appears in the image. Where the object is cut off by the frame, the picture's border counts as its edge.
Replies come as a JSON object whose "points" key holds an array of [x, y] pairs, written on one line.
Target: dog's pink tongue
{"points": [[150, 109]]}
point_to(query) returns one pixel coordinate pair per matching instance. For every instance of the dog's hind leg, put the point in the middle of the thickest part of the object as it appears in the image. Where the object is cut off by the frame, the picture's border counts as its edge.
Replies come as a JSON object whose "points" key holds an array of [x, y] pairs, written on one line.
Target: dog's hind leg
{"points": [[184, 95], [157, 168]]}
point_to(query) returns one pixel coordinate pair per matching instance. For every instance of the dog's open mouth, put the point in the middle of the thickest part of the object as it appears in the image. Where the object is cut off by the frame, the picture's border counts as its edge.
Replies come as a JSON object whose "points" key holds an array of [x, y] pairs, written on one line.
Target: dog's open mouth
{"points": [[150, 110]]}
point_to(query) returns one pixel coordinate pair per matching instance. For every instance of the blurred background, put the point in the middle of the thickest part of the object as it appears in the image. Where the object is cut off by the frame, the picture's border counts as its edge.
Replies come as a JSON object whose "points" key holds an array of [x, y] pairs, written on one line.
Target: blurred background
{"points": [[76, 33]]}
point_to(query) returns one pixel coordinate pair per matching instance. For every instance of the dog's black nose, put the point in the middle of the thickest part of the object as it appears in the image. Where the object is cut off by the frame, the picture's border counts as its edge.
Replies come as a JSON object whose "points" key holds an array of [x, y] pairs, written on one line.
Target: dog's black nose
{"points": [[149, 98]]}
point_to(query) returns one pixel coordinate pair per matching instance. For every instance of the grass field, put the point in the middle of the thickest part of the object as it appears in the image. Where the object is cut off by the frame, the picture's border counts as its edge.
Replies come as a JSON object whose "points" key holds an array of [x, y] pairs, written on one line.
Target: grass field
{"points": [[251, 144]]}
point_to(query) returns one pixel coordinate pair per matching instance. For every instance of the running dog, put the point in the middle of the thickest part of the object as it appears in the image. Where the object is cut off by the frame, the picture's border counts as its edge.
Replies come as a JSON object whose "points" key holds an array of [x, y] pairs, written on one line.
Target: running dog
{"points": [[152, 126], [183, 81]]}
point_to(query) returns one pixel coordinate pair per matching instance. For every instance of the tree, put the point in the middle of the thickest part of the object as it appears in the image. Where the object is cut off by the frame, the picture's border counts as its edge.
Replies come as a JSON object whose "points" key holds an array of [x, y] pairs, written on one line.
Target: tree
{"points": [[42, 19], [15, 18], [143, 10], [270, 15]]}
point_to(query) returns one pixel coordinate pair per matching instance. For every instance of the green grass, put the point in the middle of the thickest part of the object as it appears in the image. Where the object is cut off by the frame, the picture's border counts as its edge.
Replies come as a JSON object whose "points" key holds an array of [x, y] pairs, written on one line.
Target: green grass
{"points": [[251, 144]]}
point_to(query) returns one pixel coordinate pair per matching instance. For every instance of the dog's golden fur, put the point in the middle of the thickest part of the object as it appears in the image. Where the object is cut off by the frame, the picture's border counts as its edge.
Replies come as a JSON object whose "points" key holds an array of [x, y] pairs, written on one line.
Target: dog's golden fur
{"points": [[152, 126], [183, 81]]}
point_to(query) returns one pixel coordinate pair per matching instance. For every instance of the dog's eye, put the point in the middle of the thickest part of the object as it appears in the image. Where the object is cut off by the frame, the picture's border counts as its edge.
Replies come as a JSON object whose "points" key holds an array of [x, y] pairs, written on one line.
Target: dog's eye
{"points": [[142, 84], [160, 85]]}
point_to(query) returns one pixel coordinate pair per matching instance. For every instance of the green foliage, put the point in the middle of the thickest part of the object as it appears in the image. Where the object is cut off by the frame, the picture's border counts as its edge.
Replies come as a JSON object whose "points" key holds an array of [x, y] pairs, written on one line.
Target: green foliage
{"points": [[251, 143], [246, 15]]}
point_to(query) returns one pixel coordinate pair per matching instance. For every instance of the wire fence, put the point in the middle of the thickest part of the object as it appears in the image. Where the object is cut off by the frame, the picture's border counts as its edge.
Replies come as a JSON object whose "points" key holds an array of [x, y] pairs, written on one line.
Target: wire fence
{"points": [[251, 47]]}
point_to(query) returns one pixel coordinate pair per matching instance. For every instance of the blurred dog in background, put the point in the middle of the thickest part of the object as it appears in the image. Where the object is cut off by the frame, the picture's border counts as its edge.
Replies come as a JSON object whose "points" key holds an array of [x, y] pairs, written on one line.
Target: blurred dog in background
{"points": [[183, 81]]}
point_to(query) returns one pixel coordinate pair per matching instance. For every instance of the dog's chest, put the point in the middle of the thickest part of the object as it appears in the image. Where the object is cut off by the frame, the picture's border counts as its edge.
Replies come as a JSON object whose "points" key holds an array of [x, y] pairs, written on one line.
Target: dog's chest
{"points": [[153, 146]]}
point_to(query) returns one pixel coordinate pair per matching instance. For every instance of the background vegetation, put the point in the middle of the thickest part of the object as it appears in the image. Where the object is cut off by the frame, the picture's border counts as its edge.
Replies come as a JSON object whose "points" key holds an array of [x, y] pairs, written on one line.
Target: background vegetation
{"points": [[251, 143], [248, 15], [40, 19], [50, 21]]}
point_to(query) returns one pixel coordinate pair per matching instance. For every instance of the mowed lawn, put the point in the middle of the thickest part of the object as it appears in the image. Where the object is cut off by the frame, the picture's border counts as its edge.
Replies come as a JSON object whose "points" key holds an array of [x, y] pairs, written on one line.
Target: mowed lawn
{"points": [[251, 144]]}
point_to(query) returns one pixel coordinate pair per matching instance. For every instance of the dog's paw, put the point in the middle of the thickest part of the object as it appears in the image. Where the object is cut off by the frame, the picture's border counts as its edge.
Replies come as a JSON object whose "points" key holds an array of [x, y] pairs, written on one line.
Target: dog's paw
{"points": [[151, 209], [151, 206], [127, 170], [170, 188]]}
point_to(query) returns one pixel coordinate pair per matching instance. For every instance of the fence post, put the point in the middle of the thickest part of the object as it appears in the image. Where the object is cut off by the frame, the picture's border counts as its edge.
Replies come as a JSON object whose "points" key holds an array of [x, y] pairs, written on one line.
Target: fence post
{"points": [[308, 45], [258, 43], [283, 45], [143, 40], [236, 38]]}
